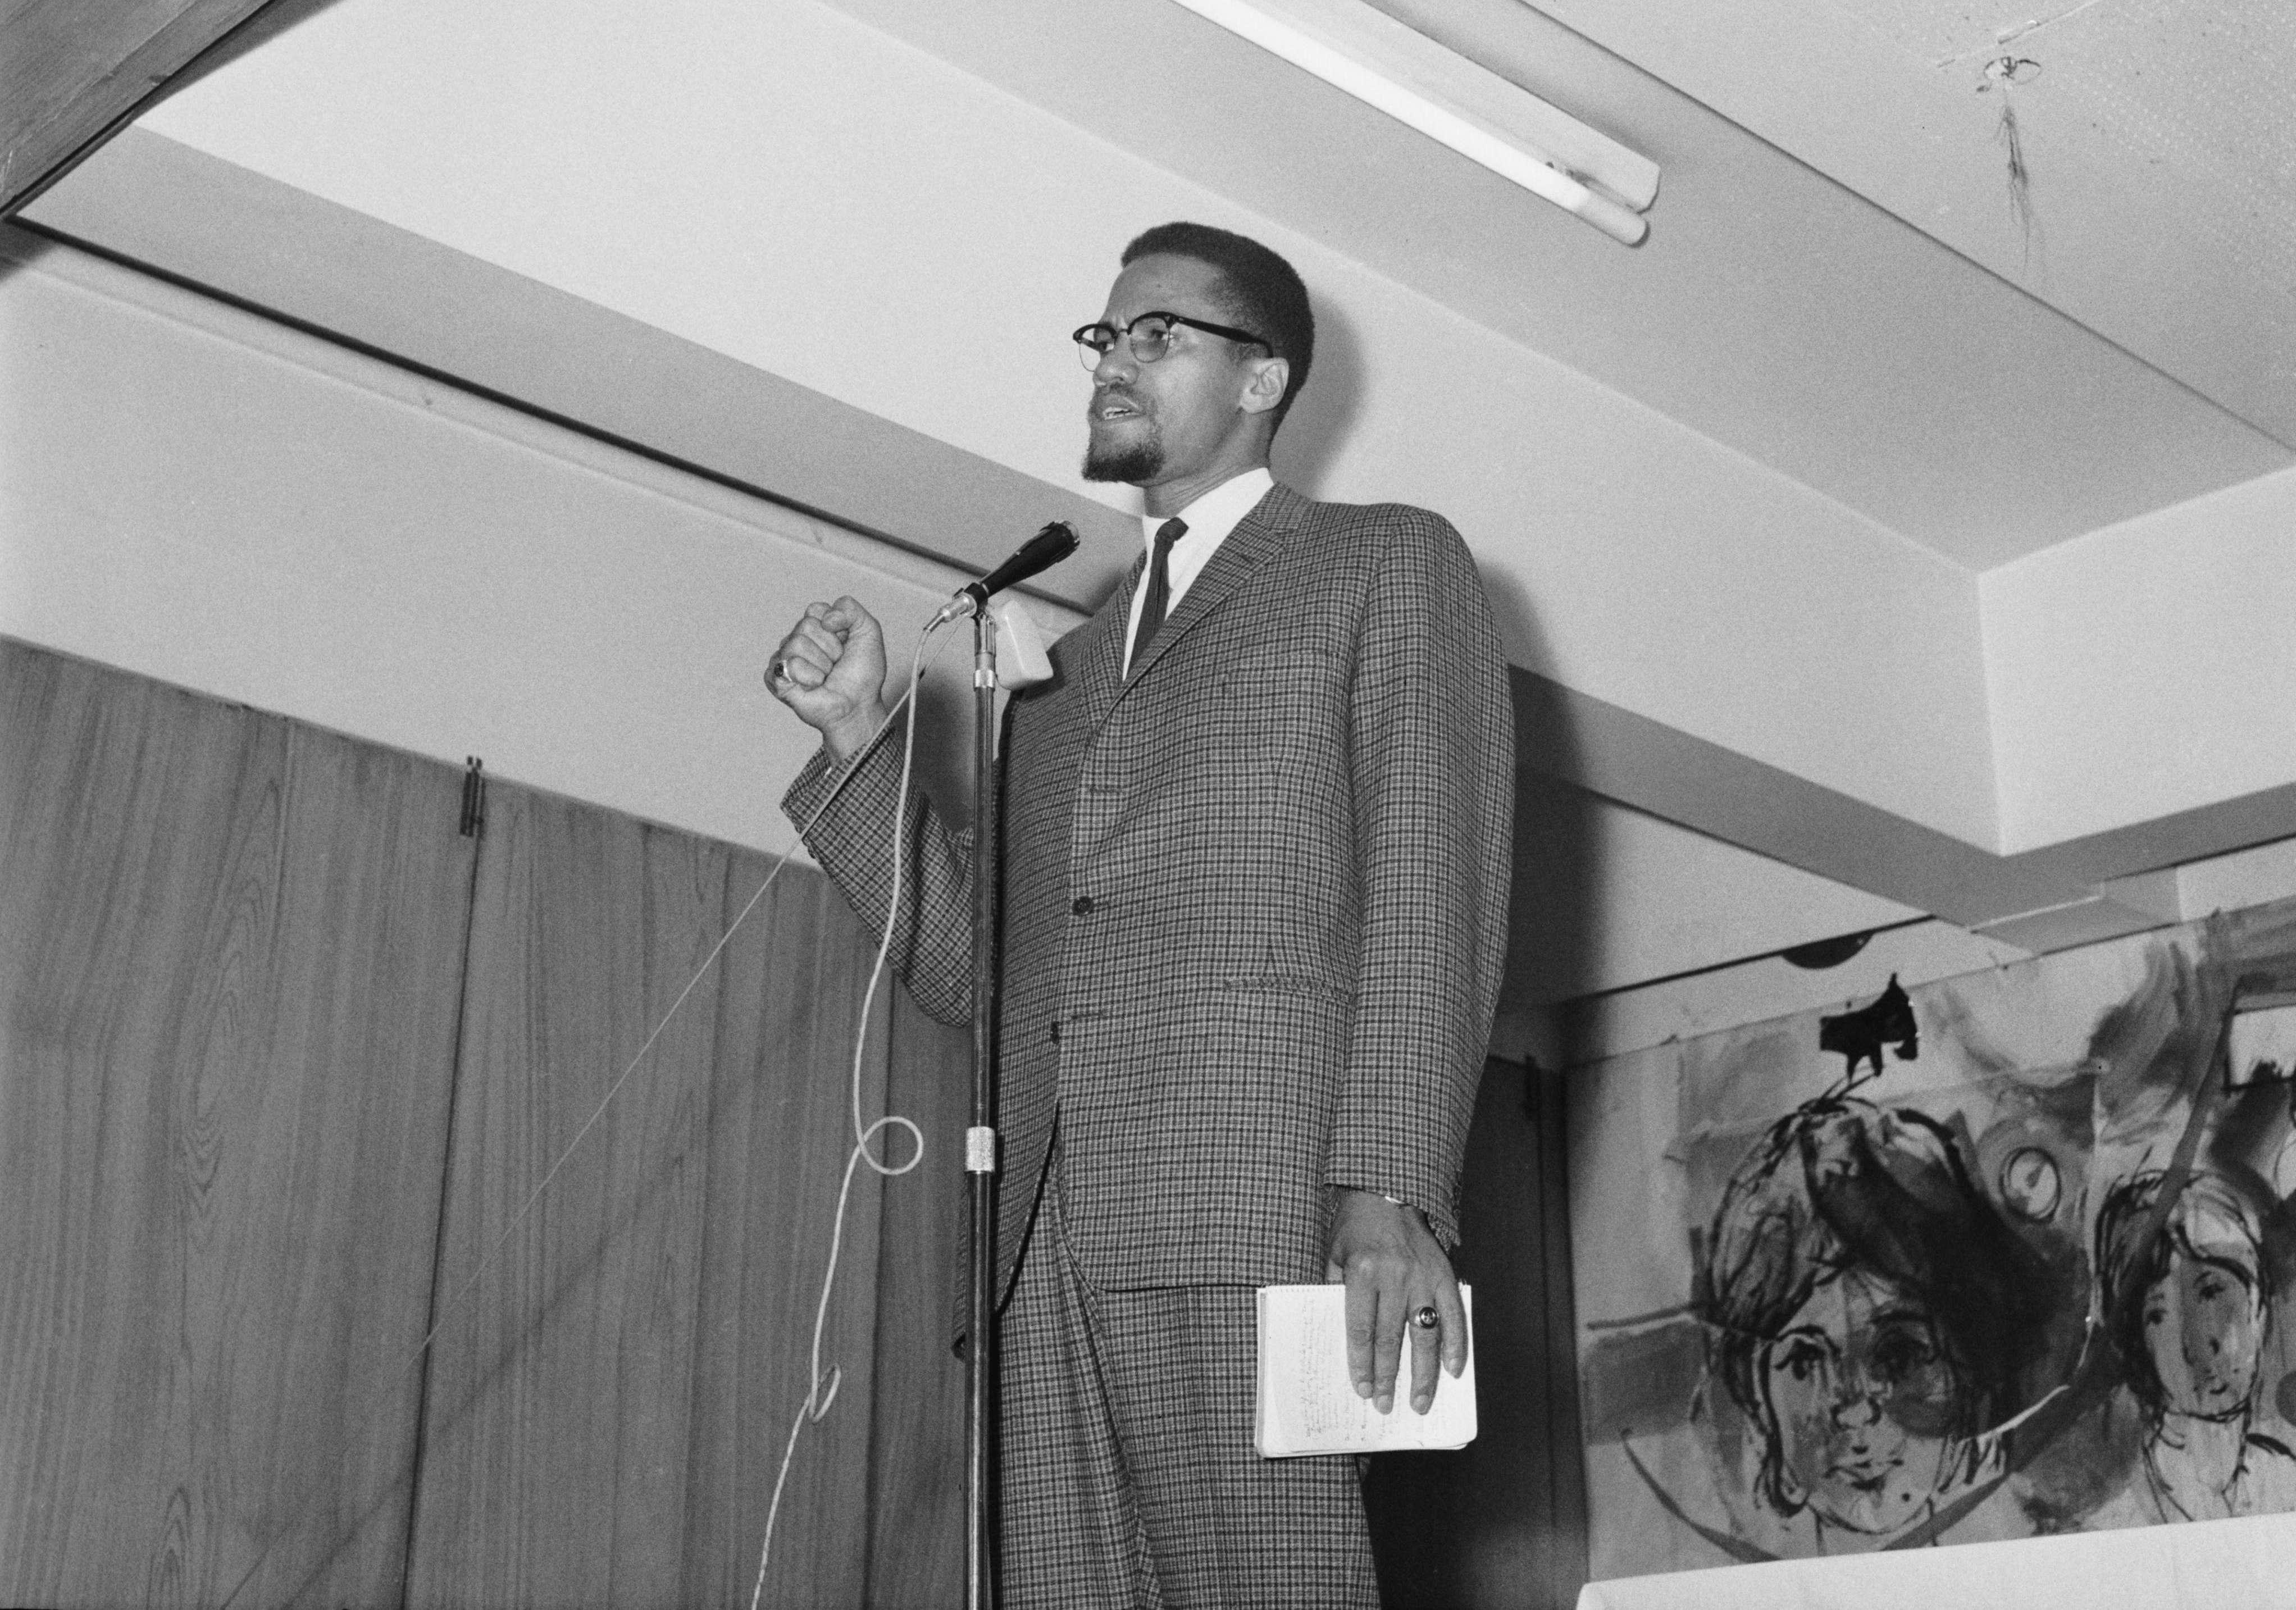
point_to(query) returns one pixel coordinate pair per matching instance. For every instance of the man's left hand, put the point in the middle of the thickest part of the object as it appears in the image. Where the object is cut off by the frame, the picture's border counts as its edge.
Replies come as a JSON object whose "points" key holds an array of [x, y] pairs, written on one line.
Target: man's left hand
{"points": [[1394, 1267]]}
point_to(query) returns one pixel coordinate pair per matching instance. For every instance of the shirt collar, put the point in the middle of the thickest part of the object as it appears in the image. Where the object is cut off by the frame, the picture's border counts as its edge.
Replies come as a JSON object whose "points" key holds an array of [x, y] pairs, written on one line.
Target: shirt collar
{"points": [[1211, 516]]}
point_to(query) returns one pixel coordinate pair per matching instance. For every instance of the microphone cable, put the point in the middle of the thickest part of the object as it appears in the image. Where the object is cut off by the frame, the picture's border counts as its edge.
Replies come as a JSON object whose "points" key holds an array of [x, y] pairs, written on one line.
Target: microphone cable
{"points": [[821, 1390]]}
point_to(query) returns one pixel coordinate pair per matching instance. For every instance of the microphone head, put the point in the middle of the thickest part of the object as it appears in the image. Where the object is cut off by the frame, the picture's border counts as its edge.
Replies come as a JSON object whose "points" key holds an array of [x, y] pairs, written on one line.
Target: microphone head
{"points": [[1041, 551], [1058, 540]]}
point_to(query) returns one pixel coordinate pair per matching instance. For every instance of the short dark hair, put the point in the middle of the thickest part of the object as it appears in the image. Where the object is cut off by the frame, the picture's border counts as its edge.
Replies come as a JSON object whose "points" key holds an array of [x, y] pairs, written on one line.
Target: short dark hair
{"points": [[1840, 1185], [2207, 1221], [1263, 292]]}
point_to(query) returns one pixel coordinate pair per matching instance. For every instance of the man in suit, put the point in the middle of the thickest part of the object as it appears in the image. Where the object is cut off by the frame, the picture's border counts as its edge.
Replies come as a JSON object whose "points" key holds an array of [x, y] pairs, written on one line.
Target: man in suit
{"points": [[1254, 888]]}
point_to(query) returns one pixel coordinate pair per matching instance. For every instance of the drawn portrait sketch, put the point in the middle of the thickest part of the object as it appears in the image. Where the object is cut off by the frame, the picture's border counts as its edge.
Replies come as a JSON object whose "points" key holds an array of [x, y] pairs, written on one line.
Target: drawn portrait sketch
{"points": [[1869, 1315], [2004, 1255], [2188, 1309]]}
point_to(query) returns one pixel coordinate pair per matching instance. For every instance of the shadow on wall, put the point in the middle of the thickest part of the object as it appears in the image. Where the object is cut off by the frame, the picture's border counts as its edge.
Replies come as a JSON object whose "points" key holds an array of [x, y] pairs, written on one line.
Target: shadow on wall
{"points": [[19, 250], [1316, 430], [1502, 1522], [943, 763]]}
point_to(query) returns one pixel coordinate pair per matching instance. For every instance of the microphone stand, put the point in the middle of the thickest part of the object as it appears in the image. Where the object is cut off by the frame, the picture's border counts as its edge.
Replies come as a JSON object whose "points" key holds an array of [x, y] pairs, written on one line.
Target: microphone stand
{"points": [[981, 1140], [1049, 546]]}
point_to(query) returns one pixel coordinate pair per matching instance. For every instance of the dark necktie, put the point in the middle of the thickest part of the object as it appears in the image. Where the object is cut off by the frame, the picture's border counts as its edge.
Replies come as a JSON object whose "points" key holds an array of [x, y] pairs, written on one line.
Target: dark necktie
{"points": [[1159, 588]]}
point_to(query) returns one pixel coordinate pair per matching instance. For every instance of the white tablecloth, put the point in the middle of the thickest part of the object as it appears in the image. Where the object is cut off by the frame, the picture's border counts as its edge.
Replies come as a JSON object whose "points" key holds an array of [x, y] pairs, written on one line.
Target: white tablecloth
{"points": [[2205, 1565]]}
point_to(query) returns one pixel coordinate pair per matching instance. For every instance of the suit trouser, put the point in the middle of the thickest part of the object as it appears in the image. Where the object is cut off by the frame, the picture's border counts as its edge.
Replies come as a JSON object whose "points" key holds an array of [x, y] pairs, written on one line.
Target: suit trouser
{"points": [[1128, 1475]]}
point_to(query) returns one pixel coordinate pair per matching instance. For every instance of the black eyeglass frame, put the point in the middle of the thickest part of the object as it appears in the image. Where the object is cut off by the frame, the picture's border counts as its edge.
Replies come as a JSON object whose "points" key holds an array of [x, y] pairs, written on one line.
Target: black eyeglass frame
{"points": [[1093, 353]]}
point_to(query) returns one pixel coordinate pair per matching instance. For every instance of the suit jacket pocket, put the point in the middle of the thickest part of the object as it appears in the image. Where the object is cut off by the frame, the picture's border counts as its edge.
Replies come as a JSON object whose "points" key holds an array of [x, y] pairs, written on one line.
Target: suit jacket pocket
{"points": [[1195, 1139], [1290, 672], [1279, 981]]}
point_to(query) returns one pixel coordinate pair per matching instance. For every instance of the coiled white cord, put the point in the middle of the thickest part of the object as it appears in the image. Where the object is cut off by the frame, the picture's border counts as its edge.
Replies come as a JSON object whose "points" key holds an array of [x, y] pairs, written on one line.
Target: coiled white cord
{"points": [[822, 1390]]}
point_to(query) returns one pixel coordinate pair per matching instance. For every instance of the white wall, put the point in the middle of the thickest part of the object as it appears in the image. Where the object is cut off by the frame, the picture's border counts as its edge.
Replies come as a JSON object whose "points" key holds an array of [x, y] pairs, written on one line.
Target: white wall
{"points": [[200, 496], [2147, 669]]}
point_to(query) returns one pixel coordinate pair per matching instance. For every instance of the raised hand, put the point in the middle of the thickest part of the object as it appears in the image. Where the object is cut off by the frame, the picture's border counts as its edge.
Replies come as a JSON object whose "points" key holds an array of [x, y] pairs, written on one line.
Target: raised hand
{"points": [[830, 670]]}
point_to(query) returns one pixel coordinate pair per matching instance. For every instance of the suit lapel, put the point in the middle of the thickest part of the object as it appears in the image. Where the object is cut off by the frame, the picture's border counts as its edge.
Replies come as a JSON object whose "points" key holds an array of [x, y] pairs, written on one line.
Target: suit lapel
{"points": [[1256, 535], [1099, 650]]}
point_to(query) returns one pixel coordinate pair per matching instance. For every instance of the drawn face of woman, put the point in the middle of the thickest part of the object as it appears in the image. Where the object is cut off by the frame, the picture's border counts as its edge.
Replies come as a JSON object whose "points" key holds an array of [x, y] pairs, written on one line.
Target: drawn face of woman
{"points": [[2203, 1327], [1862, 1393]]}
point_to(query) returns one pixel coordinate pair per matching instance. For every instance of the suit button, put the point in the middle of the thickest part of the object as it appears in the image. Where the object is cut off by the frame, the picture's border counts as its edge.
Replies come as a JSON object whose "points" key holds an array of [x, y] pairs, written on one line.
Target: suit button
{"points": [[1056, 1031], [1082, 905]]}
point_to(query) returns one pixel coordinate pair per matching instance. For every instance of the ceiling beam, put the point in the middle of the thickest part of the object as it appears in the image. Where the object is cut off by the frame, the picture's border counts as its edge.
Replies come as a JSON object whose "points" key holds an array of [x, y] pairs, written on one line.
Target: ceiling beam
{"points": [[171, 211], [74, 74]]}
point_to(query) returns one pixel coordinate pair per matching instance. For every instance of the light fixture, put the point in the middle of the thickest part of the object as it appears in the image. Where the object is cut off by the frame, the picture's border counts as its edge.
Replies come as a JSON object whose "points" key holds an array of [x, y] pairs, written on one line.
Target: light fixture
{"points": [[1370, 55]]}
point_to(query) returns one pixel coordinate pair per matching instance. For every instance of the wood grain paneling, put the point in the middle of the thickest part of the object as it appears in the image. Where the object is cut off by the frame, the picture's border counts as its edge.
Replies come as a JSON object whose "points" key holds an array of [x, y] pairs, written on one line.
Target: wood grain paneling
{"points": [[610, 1400], [553, 1461], [916, 1448], [229, 948], [284, 1058], [781, 1135]]}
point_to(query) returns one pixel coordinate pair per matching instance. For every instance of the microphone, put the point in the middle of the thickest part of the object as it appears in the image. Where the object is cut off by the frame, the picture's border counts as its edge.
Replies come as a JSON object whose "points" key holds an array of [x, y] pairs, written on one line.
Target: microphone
{"points": [[1041, 551]]}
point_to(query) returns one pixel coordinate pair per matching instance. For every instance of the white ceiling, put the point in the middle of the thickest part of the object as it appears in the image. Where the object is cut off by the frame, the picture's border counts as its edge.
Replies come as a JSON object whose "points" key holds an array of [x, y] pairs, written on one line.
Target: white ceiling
{"points": [[2157, 204], [1837, 283], [1810, 311]]}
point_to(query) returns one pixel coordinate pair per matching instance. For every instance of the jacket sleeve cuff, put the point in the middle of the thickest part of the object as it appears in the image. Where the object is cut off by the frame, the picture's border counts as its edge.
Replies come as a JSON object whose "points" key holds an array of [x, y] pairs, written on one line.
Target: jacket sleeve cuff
{"points": [[823, 776], [1442, 1217]]}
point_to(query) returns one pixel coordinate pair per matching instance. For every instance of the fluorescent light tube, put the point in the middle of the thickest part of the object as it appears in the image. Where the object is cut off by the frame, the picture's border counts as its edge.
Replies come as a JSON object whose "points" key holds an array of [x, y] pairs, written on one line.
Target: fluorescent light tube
{"points": [[1370, 55]]}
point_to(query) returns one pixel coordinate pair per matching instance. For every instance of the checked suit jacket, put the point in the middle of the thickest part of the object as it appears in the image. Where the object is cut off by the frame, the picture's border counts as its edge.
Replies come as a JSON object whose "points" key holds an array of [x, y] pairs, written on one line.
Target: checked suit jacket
{"points": [[1254, 899]]}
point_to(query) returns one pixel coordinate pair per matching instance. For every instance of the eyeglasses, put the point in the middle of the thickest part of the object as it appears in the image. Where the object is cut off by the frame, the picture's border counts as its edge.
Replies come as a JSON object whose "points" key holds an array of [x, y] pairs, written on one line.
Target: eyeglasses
{"points": [[1150, 338]]}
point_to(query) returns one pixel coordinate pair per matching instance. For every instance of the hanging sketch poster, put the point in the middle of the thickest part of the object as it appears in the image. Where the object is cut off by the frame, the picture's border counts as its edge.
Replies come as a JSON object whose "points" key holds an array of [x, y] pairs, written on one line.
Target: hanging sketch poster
{"points": [[2008, 1255]]}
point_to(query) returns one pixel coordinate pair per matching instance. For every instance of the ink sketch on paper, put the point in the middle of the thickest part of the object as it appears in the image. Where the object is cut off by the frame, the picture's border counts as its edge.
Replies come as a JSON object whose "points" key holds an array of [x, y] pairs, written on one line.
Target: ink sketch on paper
{"points": [[2004, 1255]]}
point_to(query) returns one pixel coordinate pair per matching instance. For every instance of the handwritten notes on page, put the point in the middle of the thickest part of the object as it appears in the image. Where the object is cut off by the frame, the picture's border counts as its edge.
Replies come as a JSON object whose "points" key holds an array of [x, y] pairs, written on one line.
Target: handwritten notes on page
{"points": [[1308, 1405]]}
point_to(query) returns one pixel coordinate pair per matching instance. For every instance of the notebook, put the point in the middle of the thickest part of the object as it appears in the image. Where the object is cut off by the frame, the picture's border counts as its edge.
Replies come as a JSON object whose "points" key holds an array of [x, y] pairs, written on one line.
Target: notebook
{"points": [[1306, 1404]]}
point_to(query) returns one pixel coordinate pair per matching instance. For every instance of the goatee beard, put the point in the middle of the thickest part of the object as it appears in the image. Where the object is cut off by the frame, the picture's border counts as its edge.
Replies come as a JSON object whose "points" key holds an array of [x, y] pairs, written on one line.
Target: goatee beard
{"points": [[1129, 461]]}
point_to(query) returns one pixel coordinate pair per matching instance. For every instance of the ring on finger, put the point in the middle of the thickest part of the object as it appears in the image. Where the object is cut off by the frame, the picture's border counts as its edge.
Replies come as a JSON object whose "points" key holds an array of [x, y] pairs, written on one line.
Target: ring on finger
{"points": [[1425, 1316], [776, 670]]}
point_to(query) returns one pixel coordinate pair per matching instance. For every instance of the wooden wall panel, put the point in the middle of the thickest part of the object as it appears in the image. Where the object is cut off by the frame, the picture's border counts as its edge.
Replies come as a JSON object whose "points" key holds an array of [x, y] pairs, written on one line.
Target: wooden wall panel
{"points": [[609, 1401], [552, 1461], [916, 1448], [232, 958], [780, 1134], [228, 958]]}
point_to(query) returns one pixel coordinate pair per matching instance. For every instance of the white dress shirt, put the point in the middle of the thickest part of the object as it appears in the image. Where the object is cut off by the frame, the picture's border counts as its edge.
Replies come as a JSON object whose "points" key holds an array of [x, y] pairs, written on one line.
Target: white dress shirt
{"points": [[1210, 517]]}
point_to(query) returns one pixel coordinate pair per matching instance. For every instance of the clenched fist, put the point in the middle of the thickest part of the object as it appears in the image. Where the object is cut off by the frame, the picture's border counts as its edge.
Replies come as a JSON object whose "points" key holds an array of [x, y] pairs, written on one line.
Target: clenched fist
{"points": [[830, 670]]}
